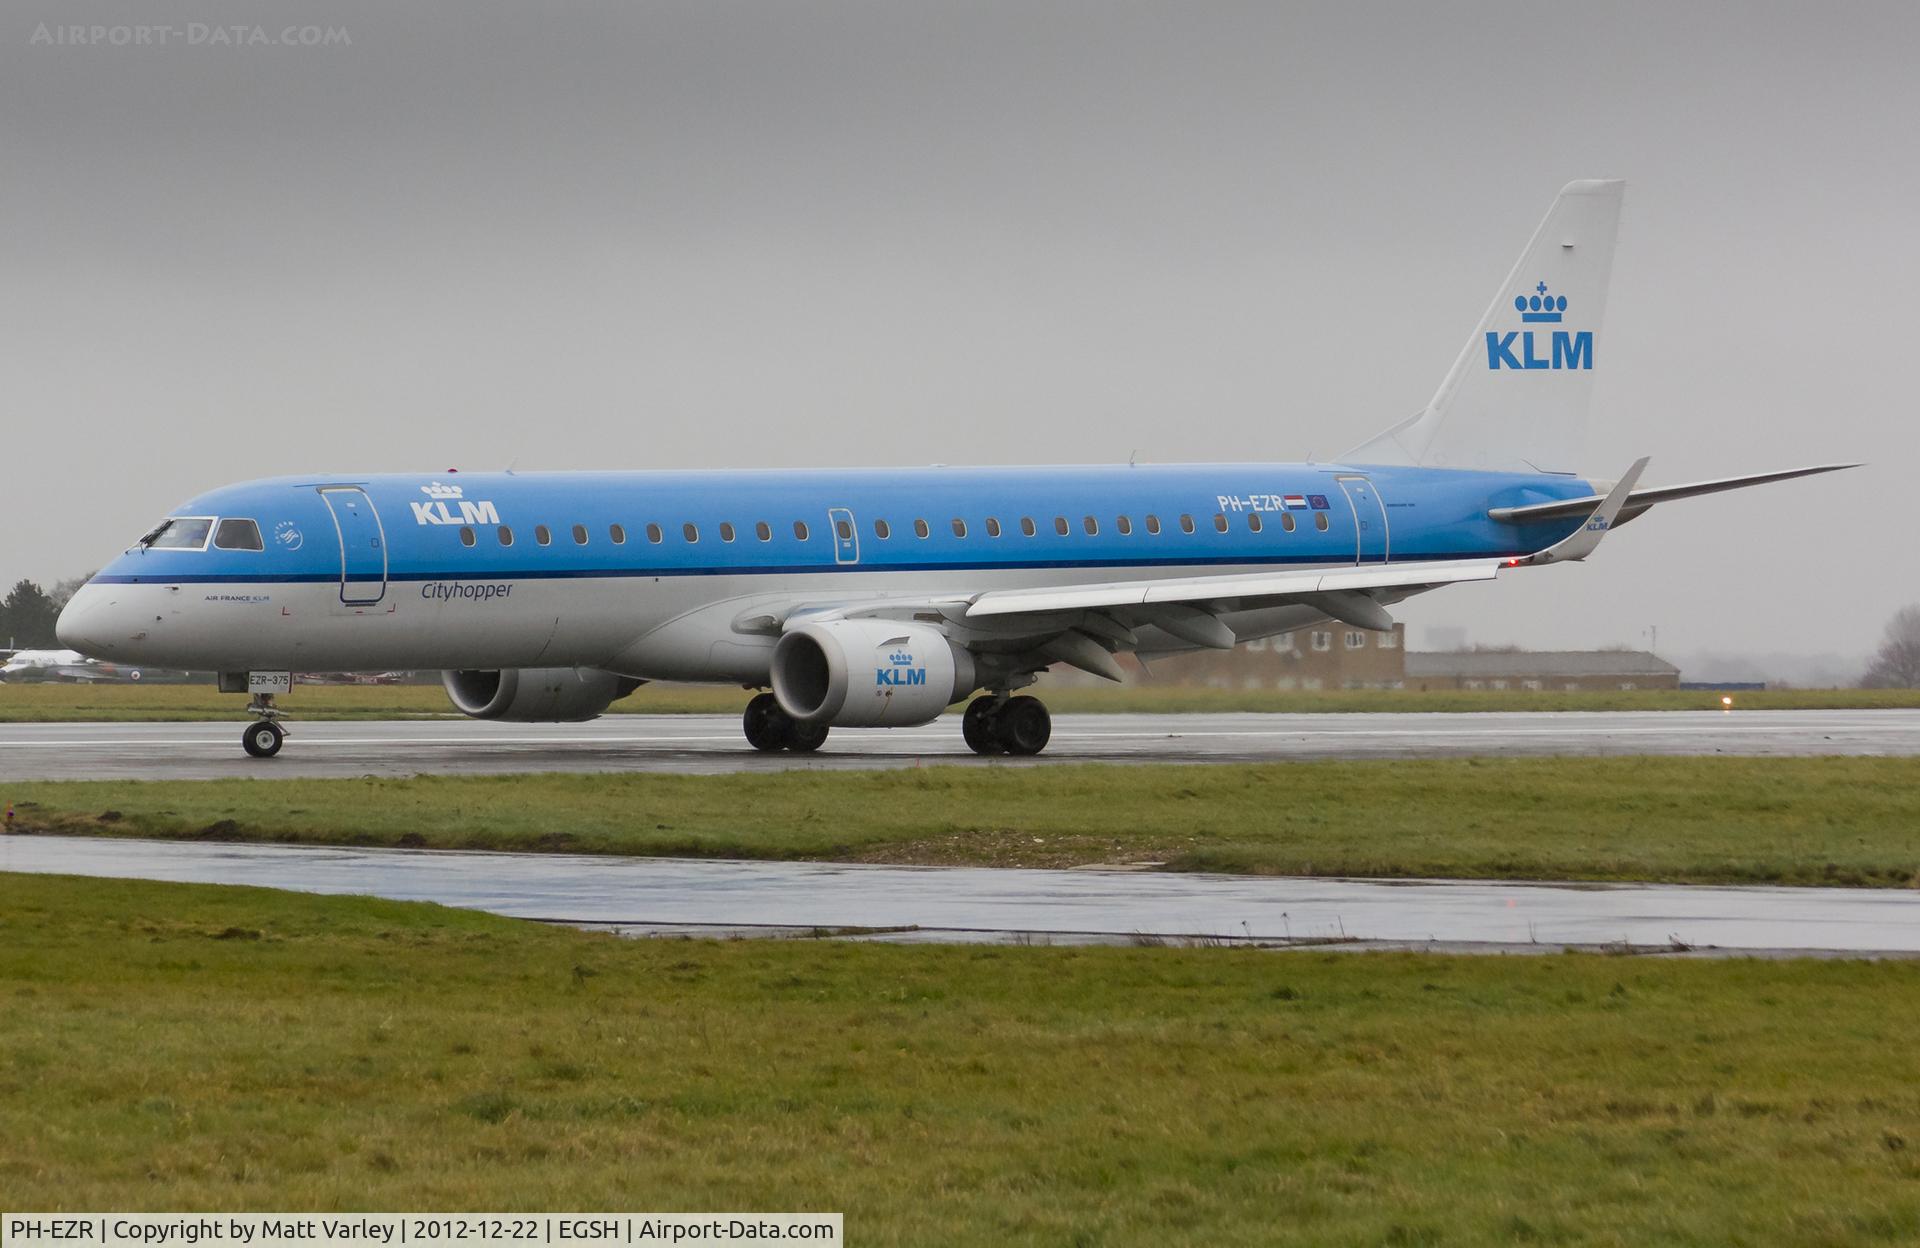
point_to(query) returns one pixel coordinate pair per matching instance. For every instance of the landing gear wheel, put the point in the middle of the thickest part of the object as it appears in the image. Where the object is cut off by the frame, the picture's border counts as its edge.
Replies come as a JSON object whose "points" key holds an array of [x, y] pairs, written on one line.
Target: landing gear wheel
{"points": [[978, 724], [1024, 726], [767, 726], [806, 738], [262, 739]]}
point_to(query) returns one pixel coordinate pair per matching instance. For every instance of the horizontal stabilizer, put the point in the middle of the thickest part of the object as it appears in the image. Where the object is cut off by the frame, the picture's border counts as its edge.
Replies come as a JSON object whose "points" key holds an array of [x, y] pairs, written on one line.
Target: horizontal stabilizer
{"points": [[1640, 500]]}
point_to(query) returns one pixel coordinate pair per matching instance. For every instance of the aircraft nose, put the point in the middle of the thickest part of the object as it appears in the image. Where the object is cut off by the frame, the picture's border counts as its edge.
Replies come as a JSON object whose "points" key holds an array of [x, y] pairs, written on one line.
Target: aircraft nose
{"points": [[79, 626]]}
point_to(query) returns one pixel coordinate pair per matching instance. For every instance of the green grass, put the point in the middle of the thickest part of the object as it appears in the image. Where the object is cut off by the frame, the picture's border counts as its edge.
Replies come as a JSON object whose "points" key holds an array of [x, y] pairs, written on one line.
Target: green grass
{"points": [[1774, 820], [51, 702], [198, 1048]]}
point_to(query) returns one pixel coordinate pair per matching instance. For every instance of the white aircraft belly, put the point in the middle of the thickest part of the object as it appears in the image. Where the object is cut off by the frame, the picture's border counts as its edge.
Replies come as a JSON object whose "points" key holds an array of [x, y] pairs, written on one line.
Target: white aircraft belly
{"points": [[668, 627]]}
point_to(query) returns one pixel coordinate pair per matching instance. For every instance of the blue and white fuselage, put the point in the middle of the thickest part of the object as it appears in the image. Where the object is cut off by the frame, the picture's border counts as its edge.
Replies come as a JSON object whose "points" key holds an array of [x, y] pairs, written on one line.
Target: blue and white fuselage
{"points": [[879, 597], [644, 573]]}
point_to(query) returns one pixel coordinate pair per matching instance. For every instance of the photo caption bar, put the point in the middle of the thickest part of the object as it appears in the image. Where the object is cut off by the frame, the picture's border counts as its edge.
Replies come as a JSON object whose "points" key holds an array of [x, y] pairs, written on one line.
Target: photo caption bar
{"points": [[473, 1230]]}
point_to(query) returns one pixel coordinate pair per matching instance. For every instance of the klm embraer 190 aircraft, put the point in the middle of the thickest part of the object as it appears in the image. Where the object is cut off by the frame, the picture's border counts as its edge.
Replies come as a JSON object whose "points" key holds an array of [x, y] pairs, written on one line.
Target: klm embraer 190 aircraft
{"points": [[880, 597]]}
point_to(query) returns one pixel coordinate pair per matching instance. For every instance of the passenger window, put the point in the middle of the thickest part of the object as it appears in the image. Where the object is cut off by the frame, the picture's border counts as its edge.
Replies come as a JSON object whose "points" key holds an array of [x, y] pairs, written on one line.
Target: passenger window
{"points": [[1061, 526], [1253, 521], [763, 531], [800, 529], [843, 529], [1124, 525], [1092, 526], [1320, 521], [505, 535], [1186, 523], [653, 534], [1026, 526], [237, 534], [689, 532], [1219, 522], [726, 531], [618, 534], [920, 528], [1286, 521], [993, 527], [959, 528], [882, 530], [1153, 524], [579, 535], [466, 537], [541, 535]]}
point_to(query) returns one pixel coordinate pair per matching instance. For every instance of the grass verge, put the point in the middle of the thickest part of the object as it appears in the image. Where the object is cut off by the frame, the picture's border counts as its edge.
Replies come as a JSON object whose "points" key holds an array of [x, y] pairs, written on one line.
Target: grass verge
{"points": [[185, 1047], [1843, 821], [76, 703]]}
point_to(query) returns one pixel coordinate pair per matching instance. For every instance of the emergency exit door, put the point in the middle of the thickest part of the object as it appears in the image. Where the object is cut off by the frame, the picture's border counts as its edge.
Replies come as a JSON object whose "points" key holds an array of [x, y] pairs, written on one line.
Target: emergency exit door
{"points": [[846, 538]]}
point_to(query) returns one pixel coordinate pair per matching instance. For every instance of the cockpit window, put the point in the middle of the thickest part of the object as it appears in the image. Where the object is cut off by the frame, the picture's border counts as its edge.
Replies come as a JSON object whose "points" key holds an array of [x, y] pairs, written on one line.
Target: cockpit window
{"points": [[236, 533], [180, 533]]}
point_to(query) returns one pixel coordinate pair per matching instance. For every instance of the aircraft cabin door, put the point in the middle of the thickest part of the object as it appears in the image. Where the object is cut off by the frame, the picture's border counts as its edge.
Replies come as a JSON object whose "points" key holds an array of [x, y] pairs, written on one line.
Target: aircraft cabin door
{"points": [[1369, 519], [846, 538], [363, 545]]}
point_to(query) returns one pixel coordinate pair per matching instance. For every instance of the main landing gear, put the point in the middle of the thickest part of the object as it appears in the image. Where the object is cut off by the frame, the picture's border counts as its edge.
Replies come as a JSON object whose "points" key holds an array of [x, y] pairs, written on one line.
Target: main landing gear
{"points": [[1000, 725], [264, 735], [770, 729]]}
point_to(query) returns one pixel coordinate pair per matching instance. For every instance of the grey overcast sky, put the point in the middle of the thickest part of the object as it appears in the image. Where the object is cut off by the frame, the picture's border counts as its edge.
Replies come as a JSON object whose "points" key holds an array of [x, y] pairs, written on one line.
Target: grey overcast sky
{"points": [[717, 233]]}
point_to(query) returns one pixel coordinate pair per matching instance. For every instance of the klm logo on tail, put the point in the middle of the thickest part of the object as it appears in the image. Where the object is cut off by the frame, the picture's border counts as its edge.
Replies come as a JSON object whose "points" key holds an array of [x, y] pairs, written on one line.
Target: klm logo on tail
{"points": [[1521, 348]]}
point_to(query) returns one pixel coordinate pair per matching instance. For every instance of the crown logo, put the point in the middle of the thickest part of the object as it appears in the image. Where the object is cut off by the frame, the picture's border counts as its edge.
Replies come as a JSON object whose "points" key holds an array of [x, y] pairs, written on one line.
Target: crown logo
{"points": [[438, 490], [1540, 306]]}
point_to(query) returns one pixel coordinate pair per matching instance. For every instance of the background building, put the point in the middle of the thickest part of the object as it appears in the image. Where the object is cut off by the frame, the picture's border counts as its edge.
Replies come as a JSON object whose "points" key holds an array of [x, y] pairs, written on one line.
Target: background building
{"points": [[1540, 669], [1332, 656], [1335, 656]]}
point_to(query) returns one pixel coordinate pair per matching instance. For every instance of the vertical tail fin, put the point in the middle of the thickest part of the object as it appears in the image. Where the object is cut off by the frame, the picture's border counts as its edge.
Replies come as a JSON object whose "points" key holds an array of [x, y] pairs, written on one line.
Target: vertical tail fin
{"points": [[1516, 398]]}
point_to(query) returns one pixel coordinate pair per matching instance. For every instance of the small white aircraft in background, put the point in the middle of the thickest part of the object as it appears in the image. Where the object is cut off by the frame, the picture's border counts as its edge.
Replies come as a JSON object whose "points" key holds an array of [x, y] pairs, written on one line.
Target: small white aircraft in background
{"points": [[64, 665]]}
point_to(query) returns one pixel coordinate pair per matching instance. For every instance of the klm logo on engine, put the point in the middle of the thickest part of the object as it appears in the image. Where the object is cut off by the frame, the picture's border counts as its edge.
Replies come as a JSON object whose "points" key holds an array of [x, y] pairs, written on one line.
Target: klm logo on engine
{"points": [[446, 506], [901, 673], [1532, 349]]}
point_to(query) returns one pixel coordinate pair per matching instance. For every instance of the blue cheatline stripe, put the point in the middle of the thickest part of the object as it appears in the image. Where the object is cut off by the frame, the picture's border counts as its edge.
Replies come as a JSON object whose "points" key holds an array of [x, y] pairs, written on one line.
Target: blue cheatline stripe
{"points": [[548, 574]]}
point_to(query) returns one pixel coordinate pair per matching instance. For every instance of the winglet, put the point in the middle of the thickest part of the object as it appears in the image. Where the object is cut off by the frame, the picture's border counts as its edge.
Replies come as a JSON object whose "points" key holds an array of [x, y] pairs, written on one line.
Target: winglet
{"points": [[1583, 540]]}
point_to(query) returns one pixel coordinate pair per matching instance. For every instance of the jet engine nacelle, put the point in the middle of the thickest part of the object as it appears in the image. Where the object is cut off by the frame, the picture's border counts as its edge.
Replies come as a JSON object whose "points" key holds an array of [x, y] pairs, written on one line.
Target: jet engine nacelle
{"points": [[530, 695], [869, 673]]}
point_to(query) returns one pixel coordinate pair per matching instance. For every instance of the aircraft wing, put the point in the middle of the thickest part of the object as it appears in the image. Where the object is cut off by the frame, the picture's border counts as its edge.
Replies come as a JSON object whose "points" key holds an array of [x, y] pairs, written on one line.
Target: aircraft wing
{"points": [[1258, 586], [1084, 625]]}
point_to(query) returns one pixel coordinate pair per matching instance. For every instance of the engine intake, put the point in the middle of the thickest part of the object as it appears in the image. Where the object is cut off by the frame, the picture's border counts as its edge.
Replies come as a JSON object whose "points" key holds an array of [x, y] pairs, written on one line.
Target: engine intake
{"points": [[869, 673], [544, 695]]}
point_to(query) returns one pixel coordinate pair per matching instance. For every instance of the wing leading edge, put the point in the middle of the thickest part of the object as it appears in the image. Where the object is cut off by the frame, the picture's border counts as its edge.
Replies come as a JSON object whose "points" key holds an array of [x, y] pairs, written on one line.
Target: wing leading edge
{"points": [[1343, 593]]}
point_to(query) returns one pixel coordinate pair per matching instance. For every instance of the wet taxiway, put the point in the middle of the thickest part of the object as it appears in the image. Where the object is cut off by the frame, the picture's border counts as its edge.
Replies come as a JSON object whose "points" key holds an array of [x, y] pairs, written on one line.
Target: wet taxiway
{"points": [[713, 743], [657, 895]]}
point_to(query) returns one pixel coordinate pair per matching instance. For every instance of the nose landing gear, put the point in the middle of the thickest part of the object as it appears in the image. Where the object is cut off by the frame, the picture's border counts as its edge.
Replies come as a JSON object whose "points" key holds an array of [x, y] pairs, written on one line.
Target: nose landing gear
{"points": [[770, 729], [994, 725], [264, 736]]}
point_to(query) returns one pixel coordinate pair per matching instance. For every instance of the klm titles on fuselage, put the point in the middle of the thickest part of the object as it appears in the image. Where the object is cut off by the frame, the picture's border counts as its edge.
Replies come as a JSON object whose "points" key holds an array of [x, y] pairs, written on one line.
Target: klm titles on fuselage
{"points": [[437, 511], [1521, 349]]}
